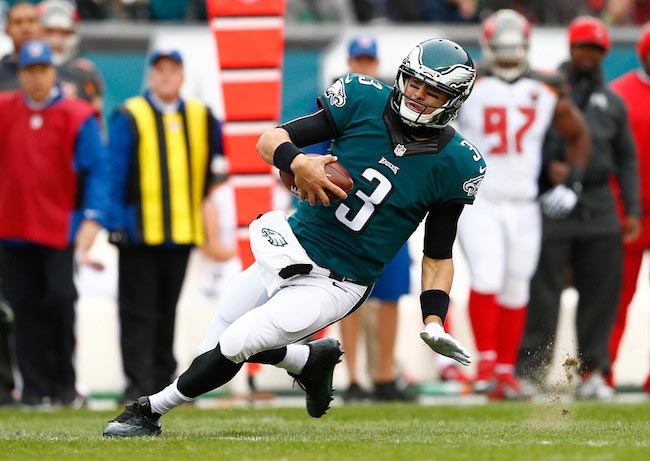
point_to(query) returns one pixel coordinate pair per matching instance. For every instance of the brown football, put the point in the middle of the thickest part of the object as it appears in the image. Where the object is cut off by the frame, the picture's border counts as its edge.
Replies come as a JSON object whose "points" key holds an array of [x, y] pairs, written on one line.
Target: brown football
{"points": [[336, 172]]}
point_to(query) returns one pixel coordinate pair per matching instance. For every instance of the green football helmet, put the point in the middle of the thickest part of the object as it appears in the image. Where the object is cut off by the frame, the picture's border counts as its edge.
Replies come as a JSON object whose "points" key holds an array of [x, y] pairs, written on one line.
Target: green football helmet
{"points": [[442, 64]]}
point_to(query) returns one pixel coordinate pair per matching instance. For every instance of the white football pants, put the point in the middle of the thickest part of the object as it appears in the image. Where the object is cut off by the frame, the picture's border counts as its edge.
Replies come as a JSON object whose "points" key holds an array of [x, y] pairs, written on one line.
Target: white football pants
{"points": [[249, 320], [501, 242]]}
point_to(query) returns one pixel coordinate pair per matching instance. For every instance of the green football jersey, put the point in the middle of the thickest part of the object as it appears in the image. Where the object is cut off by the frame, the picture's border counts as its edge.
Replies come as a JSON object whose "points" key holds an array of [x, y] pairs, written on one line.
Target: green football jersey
{"points": [[396, 182]]}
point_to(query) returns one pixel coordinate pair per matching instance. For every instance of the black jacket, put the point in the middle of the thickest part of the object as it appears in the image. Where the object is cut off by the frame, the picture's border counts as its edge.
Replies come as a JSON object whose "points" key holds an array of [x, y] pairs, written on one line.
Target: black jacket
{"points": [[613, 154], [8, 73]]}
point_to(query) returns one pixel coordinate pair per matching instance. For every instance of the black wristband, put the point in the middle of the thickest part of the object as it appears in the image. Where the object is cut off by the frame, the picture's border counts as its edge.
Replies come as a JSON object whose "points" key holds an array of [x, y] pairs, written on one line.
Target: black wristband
{"points": [[434, 302], [574, 180], [284, 155]]}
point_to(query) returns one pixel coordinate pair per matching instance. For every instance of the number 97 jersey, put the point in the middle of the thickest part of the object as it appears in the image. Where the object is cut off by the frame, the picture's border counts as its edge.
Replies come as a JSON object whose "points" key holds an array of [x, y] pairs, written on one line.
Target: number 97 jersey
{"points": [[508, 123], [396, 181]]}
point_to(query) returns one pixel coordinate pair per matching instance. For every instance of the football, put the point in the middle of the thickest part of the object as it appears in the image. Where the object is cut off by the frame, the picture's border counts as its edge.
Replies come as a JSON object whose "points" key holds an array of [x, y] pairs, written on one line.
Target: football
{"points": [[336, 173]]}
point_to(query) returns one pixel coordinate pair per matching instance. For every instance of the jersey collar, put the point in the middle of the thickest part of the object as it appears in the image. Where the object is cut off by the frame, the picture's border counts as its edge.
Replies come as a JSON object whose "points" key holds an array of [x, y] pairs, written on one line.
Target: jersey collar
{"points": [[404, 145]]}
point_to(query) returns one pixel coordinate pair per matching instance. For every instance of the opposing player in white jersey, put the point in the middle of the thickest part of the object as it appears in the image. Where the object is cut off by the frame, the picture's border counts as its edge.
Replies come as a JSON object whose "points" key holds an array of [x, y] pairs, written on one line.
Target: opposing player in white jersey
{"points": [[507, 117]]}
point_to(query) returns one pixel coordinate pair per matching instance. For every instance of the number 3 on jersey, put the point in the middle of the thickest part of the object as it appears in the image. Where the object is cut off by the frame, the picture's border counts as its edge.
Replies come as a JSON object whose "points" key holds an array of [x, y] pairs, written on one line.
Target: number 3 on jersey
{"points": [[496, 121], [358, 221]]}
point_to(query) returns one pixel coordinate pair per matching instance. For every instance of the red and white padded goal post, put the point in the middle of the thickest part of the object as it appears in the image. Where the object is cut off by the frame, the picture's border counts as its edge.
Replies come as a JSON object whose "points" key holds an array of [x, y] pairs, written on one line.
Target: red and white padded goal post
{"points": [[249, 35]]}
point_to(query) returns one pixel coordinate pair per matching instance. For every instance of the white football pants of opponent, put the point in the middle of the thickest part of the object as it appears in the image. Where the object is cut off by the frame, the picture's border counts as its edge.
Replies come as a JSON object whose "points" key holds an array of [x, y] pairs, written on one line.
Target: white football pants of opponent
{"points": [[501, 242]]}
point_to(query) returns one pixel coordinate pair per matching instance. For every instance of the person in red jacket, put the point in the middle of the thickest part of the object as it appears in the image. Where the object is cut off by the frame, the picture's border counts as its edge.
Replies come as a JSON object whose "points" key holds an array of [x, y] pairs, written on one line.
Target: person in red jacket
{"points": [[634, 88], [53, 197]]}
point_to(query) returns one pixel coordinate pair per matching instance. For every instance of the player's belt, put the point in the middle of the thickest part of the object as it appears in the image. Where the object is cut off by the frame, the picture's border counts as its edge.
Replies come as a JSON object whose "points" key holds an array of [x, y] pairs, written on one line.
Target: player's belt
{"points": [[341, 278]]}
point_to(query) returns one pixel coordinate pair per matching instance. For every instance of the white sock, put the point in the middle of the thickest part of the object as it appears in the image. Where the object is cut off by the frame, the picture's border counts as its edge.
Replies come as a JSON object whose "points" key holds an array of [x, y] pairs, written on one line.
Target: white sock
{"points": [[487, 355], [167, 399], [296, 358], [503, 368]]}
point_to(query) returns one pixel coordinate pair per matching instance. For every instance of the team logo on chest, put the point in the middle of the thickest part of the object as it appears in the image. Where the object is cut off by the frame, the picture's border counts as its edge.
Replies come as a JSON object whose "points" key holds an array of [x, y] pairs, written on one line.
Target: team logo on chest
{"points": [[274, 238], [599, 100], [36, 121], [391, 167]]}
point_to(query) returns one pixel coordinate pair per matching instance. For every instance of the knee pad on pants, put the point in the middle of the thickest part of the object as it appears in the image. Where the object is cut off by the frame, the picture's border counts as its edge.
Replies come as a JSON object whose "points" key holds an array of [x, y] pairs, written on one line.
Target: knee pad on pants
{"points": [[235, 344], [268, 327]]}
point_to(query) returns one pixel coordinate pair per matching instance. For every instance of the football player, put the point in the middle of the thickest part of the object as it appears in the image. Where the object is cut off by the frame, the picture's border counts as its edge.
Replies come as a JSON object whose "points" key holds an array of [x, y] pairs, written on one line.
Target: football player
{"points": [[507, 116], [319, 265]]}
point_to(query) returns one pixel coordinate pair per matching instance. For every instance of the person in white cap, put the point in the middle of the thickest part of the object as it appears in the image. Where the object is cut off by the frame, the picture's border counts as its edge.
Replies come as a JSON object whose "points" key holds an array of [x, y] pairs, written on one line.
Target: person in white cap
{"points": [[78, 76]]}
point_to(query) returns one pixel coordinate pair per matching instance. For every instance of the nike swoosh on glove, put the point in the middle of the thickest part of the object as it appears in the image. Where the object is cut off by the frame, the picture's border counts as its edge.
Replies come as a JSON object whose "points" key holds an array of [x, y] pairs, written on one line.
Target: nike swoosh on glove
{"points": [[443, 343], [558, 201]]}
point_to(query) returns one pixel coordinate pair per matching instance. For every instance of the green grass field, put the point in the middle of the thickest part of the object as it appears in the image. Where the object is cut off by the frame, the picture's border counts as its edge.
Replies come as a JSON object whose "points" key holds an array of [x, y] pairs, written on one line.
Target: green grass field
{"points": [[498, 431]]}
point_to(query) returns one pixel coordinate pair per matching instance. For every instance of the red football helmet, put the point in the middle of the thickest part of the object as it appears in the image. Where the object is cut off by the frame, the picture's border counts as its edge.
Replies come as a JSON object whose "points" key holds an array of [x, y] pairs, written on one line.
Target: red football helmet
{"points": [[643, 46], [504, 44], [587, 30]]}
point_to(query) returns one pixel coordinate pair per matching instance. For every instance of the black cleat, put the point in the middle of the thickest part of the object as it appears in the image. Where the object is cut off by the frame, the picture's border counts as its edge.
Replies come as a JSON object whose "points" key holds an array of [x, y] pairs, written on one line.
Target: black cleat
{"points": [[355, 393], [389, 392], [135, 421], [316, 377]]}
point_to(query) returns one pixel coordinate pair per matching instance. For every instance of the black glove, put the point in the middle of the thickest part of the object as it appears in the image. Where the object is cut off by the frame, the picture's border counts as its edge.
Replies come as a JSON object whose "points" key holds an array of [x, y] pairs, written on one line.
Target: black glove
{"points": [[6, 317]]}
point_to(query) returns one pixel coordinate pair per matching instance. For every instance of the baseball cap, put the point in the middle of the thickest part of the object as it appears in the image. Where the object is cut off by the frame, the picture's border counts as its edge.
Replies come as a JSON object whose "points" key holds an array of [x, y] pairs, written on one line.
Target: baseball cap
{"points": [[34, 52], [588, 30], [362, 45], [167, 53]]}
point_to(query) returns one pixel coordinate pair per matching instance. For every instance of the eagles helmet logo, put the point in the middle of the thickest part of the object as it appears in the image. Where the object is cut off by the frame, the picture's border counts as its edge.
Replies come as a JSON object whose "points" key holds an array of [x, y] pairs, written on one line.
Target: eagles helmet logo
{"points": [[458, 77], [274, 238], [471, 185], [336, 94]]}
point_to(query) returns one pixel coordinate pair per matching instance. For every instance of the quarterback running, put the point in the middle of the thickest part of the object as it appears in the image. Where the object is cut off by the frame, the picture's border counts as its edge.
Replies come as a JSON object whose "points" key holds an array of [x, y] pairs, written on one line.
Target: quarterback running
{"points": [[319, 265]]}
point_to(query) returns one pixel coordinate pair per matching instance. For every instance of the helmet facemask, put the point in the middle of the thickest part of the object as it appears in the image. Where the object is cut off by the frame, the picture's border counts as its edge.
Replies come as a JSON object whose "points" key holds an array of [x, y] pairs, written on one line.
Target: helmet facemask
{"points": [[65, 47], [438, 118]]}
